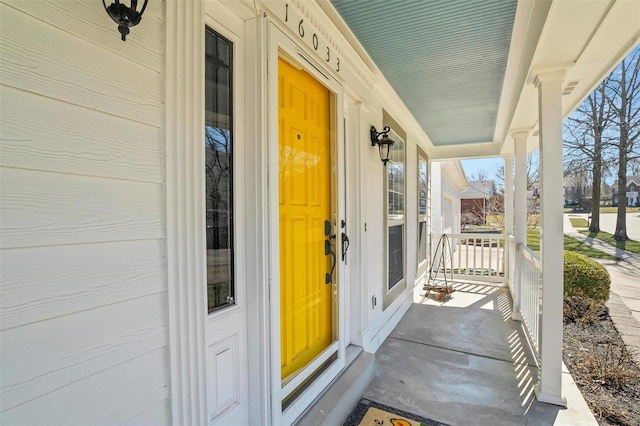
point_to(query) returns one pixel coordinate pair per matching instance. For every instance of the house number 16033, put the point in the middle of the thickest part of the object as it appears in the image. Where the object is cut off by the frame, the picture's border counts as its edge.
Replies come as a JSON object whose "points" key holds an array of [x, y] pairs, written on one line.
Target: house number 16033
{"points": [[315, 42]]}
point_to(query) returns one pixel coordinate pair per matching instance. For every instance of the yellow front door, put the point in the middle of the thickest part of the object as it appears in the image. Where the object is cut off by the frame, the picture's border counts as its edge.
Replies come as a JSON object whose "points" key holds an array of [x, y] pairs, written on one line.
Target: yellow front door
{"points": [[305, 205]]}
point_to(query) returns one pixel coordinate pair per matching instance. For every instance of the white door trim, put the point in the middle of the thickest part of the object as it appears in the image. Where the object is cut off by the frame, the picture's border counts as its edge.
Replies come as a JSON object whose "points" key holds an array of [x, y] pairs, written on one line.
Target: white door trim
{"points": [[256, 199], [186, 265]]}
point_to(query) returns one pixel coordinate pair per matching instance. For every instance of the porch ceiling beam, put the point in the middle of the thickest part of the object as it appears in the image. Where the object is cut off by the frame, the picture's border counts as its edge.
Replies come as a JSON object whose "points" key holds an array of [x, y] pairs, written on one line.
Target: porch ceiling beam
{"points": [[528, 25], [462, 151]]}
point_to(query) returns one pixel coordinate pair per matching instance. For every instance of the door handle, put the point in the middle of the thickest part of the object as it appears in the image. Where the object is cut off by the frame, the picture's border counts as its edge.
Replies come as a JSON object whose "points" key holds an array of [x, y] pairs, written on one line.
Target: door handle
{"points": [[345, 245], [327, 228], [329, 251]]}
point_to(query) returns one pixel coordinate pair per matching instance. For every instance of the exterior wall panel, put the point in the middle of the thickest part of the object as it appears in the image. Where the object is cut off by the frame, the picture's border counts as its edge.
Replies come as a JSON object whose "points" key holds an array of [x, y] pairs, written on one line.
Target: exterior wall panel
{"points": [[83, 308], [41, 133], [83, 227]]}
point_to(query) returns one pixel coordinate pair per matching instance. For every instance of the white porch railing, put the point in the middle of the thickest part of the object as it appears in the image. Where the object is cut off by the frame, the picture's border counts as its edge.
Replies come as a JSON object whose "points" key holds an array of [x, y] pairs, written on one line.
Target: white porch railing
{"points": [[477, 257], [530, 292], [494, 258]]}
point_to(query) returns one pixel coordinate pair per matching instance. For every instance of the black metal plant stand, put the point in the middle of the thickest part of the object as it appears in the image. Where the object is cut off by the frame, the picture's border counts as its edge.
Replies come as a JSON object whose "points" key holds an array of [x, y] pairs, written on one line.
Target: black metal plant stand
{"points": [[441, 262]]}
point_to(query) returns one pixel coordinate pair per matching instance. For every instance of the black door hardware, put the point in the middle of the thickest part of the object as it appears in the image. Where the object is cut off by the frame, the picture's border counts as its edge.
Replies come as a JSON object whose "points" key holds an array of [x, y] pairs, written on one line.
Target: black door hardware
{"points": [[329, 251]]}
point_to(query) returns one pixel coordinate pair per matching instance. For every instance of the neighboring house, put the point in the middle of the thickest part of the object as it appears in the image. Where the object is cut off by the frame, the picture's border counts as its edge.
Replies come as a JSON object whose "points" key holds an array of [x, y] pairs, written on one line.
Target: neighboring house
{"points": [[578, 191], [476, 201], [448, 185], [632, 193], [606, 194], [195, 228]]}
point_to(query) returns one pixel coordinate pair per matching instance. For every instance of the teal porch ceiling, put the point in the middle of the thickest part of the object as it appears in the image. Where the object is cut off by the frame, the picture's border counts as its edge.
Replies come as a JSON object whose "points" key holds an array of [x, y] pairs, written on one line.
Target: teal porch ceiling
{"points": [[446, 59]]}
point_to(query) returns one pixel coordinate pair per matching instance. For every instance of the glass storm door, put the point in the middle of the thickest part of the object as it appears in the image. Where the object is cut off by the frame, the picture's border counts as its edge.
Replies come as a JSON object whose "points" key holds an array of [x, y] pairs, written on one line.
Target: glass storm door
{"points": [[307, 247]]}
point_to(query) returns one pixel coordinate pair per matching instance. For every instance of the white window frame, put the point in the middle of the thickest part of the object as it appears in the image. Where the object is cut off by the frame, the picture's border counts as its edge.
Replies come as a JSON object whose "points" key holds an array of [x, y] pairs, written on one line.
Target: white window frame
{"points": [[422, 263], [395, 221]]}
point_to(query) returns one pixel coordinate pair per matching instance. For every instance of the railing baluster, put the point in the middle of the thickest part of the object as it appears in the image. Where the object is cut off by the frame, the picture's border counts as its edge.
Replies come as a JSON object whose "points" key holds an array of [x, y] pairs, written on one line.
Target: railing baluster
{"points": [[489, 257], [466, 264], [482, 252], [459, 248], [531, 292], [497, 259], [477, 262]]}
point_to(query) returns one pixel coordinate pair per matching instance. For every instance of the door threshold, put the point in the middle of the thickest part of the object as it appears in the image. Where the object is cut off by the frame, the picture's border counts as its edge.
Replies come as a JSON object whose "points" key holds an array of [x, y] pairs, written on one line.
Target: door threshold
{"points": [[336, 402]]}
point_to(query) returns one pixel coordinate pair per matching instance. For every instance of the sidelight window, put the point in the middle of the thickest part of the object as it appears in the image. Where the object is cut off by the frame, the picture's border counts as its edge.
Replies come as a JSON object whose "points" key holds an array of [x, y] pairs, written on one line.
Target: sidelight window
{"points": [[218, 168]]}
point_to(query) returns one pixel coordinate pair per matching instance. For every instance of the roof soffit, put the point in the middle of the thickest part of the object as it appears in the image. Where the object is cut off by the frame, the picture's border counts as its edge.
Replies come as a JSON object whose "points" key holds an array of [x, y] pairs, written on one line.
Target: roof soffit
{"points": [[586, 38], [446, 60]]}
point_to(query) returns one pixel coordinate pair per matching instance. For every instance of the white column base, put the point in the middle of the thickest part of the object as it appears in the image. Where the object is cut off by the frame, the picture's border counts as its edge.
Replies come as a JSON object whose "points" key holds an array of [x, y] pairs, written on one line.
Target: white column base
{"points": [[516, 315], [551, 399]]}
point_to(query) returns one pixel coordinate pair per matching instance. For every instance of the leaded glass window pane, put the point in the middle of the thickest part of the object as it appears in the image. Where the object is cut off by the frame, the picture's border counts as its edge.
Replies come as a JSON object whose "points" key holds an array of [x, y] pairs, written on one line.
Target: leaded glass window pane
{"points": [[219, 170]]}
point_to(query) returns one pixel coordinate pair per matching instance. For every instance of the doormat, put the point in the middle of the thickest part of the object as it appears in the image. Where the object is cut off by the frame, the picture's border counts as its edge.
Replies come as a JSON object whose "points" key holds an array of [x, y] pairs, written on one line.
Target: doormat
{"points": [[369, 413]]}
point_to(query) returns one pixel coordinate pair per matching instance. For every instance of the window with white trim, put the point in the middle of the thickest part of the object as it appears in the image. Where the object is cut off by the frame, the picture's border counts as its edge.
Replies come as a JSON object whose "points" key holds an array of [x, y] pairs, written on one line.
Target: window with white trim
{"points": [[396, 215], [423, 226]]}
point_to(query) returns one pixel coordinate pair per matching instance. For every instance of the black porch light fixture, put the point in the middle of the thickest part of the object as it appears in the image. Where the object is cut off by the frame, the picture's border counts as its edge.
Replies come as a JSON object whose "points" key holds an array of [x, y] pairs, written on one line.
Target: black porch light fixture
{"points": [[384, 143], [126, 17]]}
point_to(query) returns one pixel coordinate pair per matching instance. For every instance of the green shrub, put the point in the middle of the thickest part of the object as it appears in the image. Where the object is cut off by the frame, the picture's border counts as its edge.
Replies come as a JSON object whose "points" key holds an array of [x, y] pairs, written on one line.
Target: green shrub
{"points": [[585, 277]]}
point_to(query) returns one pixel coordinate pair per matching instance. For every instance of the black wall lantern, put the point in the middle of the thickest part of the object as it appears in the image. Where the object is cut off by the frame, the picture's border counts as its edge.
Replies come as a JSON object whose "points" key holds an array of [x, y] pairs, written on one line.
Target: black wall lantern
{"points": [[384, 143], [125, 17]]}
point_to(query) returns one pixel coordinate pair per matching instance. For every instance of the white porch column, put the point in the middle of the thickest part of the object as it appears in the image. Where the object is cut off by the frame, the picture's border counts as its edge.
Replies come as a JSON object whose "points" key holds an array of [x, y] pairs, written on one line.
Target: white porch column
{"points": [[508, 218], [508, 194], [551, 239], [520, 146], [437, 227]]}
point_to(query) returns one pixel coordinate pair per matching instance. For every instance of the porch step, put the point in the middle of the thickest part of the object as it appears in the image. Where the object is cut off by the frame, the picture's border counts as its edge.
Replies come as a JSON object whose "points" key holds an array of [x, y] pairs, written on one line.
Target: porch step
{"points": [[334, 406]]}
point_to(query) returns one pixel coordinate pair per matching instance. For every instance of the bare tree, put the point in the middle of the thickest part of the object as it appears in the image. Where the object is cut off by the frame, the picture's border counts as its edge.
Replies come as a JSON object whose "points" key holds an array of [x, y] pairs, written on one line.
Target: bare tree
{"points": [[607, 194], [623, 96], [478, 175], [587, 146], [578, 185], [532, 172], [217, 185], [533, 200], [633, 165]]}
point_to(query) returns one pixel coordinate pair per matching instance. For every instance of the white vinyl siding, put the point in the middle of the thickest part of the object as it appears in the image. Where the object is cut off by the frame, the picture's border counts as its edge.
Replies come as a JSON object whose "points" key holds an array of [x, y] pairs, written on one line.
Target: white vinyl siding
{"points": [[83, 315]]}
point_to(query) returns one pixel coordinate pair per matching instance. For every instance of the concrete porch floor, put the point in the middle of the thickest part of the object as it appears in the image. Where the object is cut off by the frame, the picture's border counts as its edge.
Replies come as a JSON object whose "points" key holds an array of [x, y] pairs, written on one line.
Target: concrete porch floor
{"points": [[465, 362]]}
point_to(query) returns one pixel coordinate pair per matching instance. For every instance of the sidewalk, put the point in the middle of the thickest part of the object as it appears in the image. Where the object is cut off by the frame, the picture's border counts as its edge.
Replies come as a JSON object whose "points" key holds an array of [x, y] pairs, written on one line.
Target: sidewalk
{"points": [[624, 302]]}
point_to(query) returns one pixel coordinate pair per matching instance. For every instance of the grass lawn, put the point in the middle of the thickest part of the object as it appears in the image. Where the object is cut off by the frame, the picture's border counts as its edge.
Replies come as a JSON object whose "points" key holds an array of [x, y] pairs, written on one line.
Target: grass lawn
{"points": [[630, 246], [615, 210], [480, 228], [579, 222], [570, 244], [604, 210], [495, 218], [533, 239]]}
